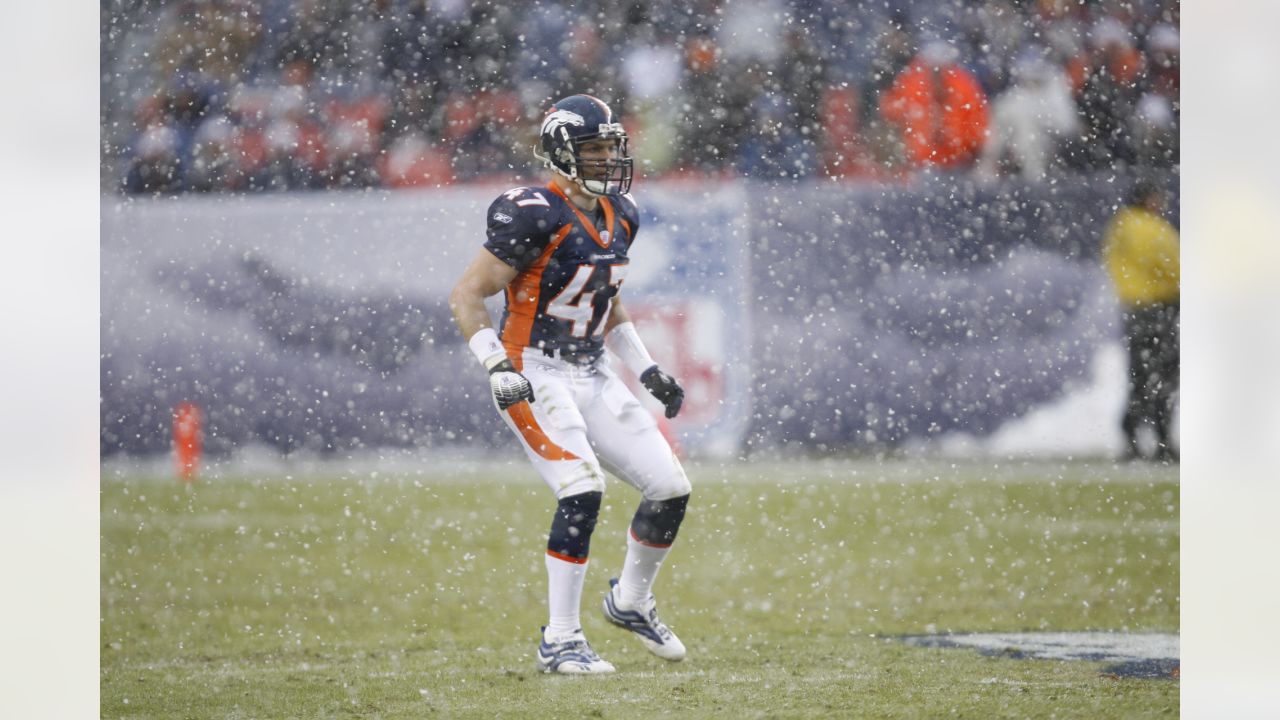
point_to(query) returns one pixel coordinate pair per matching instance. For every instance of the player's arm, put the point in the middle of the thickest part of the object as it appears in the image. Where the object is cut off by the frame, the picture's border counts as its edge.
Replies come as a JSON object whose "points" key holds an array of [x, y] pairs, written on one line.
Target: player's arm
{"points": [[486, 276], [621, 338], [617, 316]]}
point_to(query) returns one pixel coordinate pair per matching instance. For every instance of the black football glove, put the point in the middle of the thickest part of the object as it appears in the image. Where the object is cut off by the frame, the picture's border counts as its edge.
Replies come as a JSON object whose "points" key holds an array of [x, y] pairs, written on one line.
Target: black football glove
{"points": [[509, 387], [665, 388]]}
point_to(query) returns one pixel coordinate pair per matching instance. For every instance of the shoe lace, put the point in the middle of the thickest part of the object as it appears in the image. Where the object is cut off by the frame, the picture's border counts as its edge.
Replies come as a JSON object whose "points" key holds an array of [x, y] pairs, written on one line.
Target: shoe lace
{"points": [[660, 627], [578, 645]]}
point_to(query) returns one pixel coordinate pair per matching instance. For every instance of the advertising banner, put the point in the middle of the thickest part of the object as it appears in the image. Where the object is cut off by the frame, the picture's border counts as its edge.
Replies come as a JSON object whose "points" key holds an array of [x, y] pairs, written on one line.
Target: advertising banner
{"points": [[321, 322], [820, 315]]}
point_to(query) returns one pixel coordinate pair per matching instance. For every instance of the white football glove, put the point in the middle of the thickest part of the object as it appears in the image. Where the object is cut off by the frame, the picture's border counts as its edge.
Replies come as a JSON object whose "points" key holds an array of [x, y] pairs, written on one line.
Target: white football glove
{"points": [[509, 387]]}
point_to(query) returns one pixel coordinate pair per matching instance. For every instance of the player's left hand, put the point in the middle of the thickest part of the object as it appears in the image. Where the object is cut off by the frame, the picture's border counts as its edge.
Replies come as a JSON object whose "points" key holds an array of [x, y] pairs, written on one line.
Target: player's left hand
{"points": [[665, 388]]}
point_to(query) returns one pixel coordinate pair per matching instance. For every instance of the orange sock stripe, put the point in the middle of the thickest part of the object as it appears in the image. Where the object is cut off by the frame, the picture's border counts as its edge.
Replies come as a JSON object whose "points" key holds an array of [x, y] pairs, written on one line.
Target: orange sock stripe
{"points": [[532, 433], [567, 558], [647, 544]]}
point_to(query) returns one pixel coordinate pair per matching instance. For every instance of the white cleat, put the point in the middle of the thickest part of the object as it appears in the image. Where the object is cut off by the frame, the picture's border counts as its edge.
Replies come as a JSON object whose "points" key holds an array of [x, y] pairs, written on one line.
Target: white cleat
{"points": [[643, 621], [570, 655]]}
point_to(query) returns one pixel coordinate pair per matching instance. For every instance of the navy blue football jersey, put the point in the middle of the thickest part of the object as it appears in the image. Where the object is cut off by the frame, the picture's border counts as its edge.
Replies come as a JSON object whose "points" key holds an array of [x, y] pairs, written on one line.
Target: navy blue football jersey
{"points": [[571, 265]]}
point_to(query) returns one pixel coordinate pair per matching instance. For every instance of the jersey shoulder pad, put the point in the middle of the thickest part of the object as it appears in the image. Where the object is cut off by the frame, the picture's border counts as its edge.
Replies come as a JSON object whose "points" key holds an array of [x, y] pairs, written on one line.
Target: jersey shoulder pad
{"points": [[520, 223], [630, 210], [523, 202]]}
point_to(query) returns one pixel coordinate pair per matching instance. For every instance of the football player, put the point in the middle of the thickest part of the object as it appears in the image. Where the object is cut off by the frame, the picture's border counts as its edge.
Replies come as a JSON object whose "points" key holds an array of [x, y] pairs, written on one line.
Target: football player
{"points": [[559, 252]]}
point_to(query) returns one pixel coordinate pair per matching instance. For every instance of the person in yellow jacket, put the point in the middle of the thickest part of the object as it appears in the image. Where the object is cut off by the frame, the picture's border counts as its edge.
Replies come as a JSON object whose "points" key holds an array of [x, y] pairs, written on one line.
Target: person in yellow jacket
{"points": [[1140, 249]]}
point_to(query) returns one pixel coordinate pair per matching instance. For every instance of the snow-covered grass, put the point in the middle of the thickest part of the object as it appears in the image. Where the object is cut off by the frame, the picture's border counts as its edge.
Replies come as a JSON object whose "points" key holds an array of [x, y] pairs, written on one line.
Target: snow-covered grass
{"points": [[421, 594]]}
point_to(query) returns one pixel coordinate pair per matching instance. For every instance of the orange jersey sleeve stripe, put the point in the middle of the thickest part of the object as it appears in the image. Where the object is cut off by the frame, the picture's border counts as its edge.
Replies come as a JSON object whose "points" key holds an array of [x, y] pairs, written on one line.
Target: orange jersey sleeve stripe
{"points": [[567, 558], [532, 433], [522, 301]]}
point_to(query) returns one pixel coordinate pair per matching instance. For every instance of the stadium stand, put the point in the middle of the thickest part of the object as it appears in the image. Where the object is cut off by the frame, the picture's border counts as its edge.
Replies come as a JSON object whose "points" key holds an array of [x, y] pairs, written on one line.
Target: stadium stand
{"points": [[237, 96]]}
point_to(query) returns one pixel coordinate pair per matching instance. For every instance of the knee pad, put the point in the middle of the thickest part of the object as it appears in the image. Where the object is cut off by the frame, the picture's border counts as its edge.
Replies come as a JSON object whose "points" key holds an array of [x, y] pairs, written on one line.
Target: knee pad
{"points": [[656, 522], [571, 528]]}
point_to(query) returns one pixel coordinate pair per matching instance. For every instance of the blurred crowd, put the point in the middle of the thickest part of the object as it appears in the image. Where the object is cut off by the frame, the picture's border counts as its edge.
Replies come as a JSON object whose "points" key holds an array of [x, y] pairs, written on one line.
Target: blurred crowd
{"points": [[233, 95]]}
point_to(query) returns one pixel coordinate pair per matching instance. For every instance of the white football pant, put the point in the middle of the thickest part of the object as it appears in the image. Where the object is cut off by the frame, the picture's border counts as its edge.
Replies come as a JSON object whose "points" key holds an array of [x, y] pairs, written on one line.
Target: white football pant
{"points": [[584, 420]]}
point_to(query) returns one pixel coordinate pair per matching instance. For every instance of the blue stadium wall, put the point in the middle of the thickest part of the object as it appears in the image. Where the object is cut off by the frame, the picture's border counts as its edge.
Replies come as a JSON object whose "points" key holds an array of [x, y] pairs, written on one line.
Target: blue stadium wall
{"points": [[825, 316]]}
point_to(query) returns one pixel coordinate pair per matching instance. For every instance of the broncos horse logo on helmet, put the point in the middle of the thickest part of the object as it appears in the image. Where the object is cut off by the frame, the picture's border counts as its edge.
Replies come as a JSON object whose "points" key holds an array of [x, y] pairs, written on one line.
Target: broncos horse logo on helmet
{"points": [[570, 123]]}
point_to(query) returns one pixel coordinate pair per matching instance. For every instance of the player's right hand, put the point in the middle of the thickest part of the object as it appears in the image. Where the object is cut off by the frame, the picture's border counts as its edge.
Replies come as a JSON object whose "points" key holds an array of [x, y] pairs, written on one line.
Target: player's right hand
{"points": [[509, 387]]}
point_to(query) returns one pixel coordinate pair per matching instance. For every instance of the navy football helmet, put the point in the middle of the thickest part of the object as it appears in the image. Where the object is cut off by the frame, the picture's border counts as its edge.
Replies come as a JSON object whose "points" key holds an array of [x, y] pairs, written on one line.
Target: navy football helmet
{"points": [[570, 123]]}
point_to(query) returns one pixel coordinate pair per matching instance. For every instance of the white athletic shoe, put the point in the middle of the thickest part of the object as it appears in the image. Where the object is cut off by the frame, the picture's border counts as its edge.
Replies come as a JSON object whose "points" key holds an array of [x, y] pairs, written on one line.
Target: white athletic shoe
{"points": [[644, 622], [570, 655]]}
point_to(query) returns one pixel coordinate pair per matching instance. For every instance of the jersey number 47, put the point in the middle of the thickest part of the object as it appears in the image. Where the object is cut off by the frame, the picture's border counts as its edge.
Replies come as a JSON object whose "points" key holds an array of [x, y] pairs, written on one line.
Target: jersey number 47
{"points": [[578, 307]]}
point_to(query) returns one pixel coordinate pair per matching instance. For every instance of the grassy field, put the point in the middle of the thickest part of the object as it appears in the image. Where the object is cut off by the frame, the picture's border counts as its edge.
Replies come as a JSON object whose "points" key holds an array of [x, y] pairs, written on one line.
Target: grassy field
{"points": [[421, 595]]}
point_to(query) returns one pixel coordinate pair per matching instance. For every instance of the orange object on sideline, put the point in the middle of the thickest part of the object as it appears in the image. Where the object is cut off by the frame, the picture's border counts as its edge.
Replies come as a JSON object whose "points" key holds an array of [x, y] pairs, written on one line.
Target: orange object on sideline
{"points": [[186, 440], [940, 112]]}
